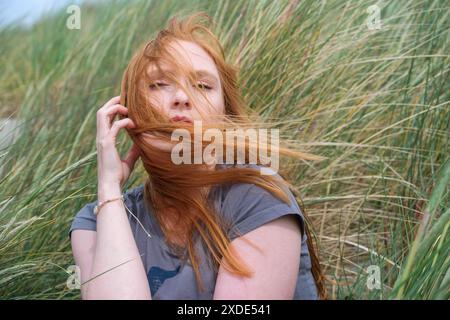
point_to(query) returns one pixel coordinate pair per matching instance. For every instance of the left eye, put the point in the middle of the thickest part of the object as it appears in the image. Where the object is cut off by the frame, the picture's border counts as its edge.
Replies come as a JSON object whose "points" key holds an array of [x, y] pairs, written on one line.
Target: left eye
{"points": [[203, 86]]}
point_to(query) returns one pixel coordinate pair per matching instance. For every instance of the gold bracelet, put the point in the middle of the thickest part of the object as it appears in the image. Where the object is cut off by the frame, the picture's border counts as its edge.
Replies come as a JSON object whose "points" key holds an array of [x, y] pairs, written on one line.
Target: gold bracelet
{"points": [[98, 207]]}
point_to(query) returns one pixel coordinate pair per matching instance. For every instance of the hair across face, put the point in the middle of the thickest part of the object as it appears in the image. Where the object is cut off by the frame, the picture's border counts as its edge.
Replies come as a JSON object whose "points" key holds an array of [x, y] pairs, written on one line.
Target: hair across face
{"points": [[198, 97]]}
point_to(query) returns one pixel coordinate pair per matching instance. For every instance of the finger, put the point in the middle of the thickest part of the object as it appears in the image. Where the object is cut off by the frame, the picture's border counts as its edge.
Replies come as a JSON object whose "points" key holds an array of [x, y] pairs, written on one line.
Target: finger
{"points": [[114, 110], [111, 102], [132, 156], [106, 118], [117, 125]]}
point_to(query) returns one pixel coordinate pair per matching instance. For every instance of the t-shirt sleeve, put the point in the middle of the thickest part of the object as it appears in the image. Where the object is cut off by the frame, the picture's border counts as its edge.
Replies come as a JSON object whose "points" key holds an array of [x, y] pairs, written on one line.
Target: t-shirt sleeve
{"points": [[248, 206], [85, 218]]}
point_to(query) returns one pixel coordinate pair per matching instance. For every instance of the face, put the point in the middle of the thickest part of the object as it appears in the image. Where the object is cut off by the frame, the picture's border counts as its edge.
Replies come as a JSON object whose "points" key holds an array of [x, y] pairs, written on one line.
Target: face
{"points": [[173, 101]]}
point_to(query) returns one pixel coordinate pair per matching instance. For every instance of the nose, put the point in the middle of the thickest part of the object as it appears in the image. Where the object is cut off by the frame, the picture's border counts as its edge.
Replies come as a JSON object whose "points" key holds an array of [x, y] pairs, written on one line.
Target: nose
{"points": [[181, 99]]}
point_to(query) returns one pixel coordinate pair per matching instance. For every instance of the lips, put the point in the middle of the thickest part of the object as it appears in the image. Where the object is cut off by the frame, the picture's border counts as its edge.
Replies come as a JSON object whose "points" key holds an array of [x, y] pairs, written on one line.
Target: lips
{"points": [[181, 118]]}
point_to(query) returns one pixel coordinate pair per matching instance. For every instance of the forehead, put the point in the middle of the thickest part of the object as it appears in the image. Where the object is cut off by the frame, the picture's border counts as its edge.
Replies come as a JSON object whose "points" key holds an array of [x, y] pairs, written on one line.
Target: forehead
{"points": [[192, 54]]}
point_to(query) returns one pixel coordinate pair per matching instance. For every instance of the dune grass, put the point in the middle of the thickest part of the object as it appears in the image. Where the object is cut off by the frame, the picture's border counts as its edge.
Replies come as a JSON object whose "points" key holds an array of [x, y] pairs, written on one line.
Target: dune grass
{"points": [[375, 103]]}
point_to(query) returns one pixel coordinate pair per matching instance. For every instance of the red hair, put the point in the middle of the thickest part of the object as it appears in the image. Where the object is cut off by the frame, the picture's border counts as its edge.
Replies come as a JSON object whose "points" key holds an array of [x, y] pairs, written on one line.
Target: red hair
{"points": [[179, 193]]}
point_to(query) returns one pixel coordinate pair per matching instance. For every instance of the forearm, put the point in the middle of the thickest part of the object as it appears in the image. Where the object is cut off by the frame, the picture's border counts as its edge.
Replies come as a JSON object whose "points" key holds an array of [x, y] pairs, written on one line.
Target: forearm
{"points": [[117, 268]]}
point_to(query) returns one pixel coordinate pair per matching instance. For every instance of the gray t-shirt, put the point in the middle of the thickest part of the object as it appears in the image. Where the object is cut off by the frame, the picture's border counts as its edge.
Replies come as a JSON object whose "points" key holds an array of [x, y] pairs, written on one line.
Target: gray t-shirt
{"points": [[244, 206]]}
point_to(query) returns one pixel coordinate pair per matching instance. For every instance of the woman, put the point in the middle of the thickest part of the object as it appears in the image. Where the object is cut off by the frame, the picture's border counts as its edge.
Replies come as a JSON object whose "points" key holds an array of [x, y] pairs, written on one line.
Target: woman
{"points": [[200, 230]]}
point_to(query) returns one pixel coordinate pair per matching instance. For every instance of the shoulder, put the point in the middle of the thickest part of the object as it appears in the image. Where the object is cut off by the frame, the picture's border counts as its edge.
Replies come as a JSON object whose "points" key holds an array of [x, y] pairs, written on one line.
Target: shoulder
{"points": [[247, 206]]}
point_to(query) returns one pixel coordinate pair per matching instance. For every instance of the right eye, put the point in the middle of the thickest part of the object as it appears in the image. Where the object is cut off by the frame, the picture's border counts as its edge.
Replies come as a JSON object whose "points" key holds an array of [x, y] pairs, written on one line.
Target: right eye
{"points": [[156, 85]]}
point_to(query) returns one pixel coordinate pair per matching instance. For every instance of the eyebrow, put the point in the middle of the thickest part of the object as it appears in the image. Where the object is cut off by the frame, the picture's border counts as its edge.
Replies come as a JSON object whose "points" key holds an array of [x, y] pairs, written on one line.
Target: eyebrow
{"points": [[199, 73]]}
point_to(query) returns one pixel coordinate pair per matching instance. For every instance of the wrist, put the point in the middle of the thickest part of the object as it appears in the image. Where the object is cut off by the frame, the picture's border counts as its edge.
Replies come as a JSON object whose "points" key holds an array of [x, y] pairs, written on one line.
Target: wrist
{"points": [[108, 190]]}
